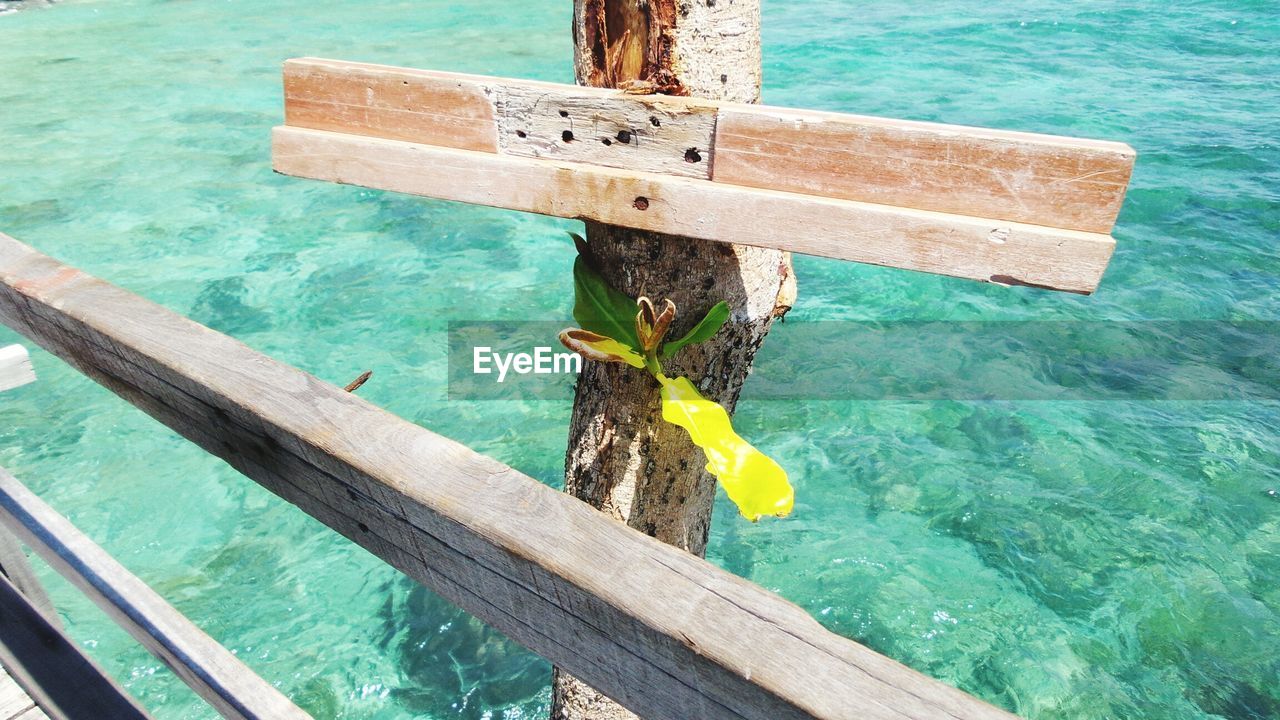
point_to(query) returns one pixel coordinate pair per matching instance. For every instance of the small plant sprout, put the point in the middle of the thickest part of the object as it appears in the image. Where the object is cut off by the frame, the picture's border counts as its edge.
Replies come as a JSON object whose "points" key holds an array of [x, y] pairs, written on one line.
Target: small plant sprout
{"points": [[617, 329]]}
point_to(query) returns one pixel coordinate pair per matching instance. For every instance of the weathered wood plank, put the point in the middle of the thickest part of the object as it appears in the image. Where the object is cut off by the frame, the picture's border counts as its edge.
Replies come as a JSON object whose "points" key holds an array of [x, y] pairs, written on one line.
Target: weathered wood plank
{"points": [[1019, 177], [1027, 178], [15, 566], [13, 699], [957, 245], [208, 668], [397, 103], [663, 632], [15, 368], [52, 670], [514, 117], [33, 713]]}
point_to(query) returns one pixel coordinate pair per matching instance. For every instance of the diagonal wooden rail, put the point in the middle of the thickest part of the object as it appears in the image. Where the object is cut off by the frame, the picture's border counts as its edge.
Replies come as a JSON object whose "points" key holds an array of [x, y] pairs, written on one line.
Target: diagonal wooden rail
{"points": [[51, 668], [208, 668], [665, 633]]}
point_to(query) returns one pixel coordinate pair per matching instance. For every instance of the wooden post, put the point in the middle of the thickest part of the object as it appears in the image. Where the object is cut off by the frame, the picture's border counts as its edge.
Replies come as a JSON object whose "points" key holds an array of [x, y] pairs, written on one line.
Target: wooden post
{"points": [[622, 457]]}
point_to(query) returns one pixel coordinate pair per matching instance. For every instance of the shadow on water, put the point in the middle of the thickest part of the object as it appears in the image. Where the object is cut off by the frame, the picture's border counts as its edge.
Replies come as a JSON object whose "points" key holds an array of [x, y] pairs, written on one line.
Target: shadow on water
{"points": [[452, 665]]}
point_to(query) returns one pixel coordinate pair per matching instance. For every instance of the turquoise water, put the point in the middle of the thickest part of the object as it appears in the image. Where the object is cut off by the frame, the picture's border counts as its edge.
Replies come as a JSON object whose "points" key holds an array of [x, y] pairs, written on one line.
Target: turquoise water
{"points": [[1061, 559]]}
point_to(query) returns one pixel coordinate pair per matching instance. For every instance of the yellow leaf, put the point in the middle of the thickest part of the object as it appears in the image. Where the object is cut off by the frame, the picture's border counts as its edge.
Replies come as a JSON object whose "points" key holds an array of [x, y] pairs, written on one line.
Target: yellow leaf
{"points": [[594, 346], [753, 481]]}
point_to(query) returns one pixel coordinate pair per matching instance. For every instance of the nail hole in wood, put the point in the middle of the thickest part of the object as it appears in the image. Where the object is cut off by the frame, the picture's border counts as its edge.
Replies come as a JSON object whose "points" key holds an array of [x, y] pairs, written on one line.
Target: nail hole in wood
{"points": [[641, 203], [521, 134], [654, 121], [606, 141], [564, 113], [567, 136], [724, 78], [692, 155], [363, 527], [624, 136]]}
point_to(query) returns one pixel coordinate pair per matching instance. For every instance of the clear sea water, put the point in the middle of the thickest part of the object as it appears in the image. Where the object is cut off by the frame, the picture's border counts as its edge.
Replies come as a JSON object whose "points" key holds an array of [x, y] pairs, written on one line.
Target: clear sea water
{"points": [[1078, 559]]}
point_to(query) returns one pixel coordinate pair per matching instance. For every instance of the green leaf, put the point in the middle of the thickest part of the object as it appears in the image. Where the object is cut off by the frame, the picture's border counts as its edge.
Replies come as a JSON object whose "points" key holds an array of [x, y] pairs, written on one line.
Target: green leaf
{"points": [[601, 309], [754, 481], [704, 330], [593, 346]]}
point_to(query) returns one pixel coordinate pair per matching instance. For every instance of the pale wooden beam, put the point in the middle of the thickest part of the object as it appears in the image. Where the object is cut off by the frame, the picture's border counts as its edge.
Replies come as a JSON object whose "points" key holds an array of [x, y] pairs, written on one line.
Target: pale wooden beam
{"points": [[1002, 175], [666, 634], [651, 133], [198, 660], [957, 245], [1020, 177], [15, 367]]}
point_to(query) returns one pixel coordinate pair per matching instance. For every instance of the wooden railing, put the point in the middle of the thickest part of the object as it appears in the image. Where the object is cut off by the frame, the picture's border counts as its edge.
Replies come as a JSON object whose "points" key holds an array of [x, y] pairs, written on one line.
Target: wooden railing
{"points": [[665, 633], [205, 666]]}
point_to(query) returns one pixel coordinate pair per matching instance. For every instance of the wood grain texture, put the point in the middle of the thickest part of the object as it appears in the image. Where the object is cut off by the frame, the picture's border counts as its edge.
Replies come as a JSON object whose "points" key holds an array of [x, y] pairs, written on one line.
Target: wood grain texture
{"points": [[14, 701], [399, 103], [204, 665], [15, 368], [51, 668], [15, 566], [665, 633], [649, 133], [957, 245], [515, 117], [1020, 177]]}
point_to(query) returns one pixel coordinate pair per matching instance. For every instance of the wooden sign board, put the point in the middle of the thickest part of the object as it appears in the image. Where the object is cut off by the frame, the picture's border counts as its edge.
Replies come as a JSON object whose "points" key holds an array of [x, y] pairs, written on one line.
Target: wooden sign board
{"points": [[998, 206]]}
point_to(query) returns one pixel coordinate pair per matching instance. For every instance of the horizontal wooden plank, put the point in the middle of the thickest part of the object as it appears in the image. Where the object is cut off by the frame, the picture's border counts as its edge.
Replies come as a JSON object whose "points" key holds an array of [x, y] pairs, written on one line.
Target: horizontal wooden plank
{"points": [[209, 669], [1020, 177], [957, 245], [663, 632], [402, 104], [1009, 176], [514, 117], [52, 669], [15, 368]]}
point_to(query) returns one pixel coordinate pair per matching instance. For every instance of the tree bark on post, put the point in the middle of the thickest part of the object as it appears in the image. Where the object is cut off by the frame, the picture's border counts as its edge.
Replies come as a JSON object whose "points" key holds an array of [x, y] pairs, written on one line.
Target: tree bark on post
{"points": [[622, 457]]}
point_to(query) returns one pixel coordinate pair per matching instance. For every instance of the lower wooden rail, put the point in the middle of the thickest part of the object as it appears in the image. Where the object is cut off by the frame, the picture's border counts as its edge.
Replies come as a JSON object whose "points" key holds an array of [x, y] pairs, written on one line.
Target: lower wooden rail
{"points": [[665, 633], [208, 668], [64, 683], [15, 567]]}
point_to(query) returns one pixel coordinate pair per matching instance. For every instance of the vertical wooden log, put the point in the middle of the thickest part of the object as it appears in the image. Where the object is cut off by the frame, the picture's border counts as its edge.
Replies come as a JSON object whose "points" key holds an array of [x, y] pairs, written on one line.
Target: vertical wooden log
{"points": [[622, 457]]}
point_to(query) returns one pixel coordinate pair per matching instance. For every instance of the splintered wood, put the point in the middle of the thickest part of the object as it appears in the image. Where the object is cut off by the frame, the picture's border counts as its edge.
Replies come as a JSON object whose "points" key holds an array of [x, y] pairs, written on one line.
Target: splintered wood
{"points": [[992, 205]]}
